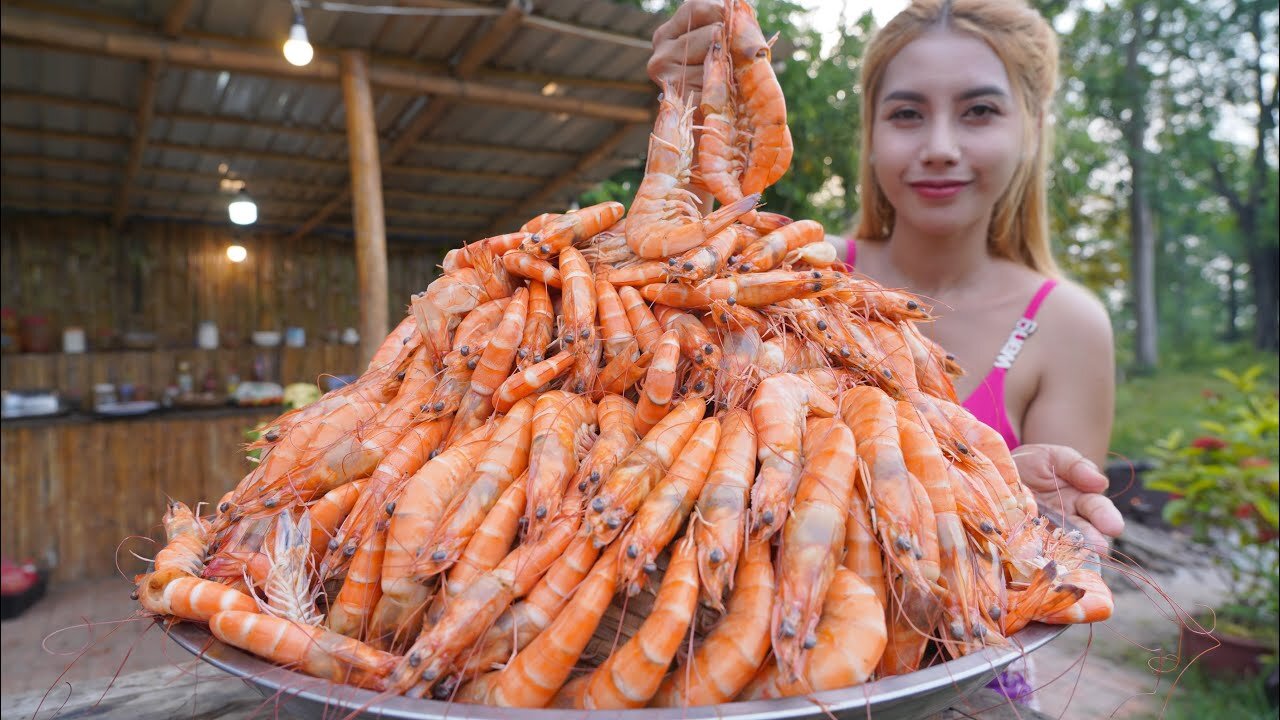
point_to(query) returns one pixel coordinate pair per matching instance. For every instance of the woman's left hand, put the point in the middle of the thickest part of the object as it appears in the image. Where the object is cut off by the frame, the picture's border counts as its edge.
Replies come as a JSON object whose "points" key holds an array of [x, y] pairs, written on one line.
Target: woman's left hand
{"points": [[1066, 482]]}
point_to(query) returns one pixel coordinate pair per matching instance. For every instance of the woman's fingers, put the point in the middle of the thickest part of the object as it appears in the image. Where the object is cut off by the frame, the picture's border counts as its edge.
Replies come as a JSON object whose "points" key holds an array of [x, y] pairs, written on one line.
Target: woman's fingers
{"points": [[690, 16], [1101, 513], [679, 60]]}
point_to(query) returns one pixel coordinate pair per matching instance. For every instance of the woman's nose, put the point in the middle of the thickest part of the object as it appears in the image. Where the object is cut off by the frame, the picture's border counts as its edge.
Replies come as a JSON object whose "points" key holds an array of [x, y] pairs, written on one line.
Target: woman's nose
{"points": [[941, 145]]}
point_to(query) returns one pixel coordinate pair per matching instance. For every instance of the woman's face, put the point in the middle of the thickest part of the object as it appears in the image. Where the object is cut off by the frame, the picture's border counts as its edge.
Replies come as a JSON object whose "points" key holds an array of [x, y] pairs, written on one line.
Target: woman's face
{"points": [[947, 134]]}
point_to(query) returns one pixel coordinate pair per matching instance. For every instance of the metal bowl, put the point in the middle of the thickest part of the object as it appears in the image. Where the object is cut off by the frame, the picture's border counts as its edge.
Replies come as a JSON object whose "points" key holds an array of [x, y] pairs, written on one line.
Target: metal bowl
{"points": [[915, 695]]}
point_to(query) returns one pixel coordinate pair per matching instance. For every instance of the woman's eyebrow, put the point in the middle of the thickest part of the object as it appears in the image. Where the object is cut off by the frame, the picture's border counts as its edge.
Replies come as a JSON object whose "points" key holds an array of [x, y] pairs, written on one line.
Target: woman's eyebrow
{"points": [[907, 95], [982, 91], [912, 96]]}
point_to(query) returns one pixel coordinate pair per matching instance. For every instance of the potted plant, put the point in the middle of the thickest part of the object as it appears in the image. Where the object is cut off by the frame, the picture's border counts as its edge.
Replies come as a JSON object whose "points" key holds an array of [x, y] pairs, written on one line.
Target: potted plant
{"points": [[1224, 484]]}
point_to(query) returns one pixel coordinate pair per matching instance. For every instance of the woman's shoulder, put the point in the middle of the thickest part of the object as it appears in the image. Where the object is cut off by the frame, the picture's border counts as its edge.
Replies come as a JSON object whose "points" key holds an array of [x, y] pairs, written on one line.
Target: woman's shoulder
{"points": [[1072, 310]]}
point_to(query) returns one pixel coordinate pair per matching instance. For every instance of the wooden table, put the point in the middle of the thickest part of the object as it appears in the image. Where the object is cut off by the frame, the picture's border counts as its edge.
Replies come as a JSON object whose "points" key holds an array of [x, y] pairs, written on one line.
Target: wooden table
{"points": [[197, 690]]}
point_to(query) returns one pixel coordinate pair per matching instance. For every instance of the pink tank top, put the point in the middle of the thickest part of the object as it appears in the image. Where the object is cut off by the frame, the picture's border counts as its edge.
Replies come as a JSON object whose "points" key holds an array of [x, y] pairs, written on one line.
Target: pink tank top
{"points": [[986, 402]]}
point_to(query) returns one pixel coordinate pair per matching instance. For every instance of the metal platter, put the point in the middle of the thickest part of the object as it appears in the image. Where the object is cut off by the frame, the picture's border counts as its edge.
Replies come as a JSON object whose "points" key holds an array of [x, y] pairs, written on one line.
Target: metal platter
{"points": [[911, 696]]}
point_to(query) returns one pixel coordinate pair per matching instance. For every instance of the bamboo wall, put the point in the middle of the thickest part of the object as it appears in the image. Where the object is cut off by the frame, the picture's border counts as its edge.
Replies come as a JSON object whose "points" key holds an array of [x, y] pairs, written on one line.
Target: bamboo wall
{"points": [[73, 491], [167, 277]]}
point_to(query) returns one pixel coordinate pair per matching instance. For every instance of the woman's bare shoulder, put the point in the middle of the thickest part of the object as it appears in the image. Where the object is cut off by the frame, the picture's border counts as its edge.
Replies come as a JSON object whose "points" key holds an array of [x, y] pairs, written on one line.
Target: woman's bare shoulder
{"points": [[1072, 311]]}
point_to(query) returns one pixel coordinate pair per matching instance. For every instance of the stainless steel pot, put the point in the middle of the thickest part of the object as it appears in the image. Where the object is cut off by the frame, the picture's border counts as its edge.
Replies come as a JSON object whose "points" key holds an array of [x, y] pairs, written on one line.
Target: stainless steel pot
{"points": [[916, 695]]}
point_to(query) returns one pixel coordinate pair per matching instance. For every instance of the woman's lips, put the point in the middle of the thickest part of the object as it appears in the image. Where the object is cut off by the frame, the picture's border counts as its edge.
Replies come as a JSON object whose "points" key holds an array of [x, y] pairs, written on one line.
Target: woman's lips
{"points": [[938, 189]]}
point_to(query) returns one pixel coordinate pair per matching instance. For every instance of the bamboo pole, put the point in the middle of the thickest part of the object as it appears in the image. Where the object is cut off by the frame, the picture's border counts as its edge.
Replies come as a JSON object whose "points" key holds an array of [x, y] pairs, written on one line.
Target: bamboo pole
{"points": [[366, 202]]}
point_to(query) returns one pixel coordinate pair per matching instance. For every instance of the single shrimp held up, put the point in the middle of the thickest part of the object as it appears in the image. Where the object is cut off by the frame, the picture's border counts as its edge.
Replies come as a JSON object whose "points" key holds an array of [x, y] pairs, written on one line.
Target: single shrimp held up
{"points": [[664, 218], [188, 540]]}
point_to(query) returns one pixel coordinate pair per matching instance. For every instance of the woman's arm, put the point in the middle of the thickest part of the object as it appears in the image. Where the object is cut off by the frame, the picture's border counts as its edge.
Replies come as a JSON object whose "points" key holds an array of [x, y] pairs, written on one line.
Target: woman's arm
{"points": [[1066, 428]]}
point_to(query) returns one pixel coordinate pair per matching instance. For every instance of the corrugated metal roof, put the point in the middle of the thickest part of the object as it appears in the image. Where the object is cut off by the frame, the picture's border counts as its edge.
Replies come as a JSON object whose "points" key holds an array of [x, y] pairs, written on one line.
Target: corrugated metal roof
{"points": [[71, 112]]}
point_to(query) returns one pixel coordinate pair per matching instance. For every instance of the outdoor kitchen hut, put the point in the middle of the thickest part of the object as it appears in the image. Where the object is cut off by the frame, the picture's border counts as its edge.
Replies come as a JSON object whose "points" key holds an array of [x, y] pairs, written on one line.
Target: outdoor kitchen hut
{"points": [[200, 219]]}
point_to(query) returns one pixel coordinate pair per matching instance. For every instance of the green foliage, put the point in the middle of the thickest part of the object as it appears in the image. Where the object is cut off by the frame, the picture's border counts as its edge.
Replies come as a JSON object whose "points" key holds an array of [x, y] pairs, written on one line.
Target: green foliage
{"points": [[1225, 485], [1198, 697]]}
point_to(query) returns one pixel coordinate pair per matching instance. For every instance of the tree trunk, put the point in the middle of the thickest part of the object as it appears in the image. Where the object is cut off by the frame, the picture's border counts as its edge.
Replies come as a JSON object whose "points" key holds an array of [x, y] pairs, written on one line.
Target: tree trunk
{"points": [[1141, 239], [1266, 298], [1232, 332]]}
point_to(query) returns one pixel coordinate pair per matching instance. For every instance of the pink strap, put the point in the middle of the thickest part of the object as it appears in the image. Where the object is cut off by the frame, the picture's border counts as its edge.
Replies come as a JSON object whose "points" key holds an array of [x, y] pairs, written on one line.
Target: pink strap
{"points": [[987, 400], [851, 253], [1033, 307]]}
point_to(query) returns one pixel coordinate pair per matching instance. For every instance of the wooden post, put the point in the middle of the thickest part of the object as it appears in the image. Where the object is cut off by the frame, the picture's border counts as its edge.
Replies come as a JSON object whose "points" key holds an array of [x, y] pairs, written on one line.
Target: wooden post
{"points": [[366, 203]]}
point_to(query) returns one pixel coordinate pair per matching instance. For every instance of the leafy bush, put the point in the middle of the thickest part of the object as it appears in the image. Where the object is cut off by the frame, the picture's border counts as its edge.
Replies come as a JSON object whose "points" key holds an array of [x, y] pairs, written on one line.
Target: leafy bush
{"points": [[1224, 485]]}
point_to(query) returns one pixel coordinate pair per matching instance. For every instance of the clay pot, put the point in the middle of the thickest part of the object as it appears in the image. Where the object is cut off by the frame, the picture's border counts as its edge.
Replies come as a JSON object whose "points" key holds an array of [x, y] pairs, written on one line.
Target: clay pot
{"points": [[1224, 656]]}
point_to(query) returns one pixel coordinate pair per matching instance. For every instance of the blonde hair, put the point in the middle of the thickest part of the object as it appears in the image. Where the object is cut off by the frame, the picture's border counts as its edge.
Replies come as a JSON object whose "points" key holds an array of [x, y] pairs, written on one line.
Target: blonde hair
{"points": [[1028, 48]]}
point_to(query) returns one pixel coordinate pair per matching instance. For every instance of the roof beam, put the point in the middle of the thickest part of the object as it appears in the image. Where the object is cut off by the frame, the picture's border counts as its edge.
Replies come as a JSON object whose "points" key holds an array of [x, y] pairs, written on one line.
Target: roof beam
{"points": [[537, 201], [284, 158], [391, 76], [272, 46], [474, 56], [104, 209], [141, 131], [428, 146], [266, 186], [292, 207], [532, 20], [171, 26]]}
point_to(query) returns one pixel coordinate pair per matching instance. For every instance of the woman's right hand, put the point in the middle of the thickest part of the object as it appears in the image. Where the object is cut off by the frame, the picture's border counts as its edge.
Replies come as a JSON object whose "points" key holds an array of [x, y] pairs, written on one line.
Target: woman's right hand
{"points": [[680, 45]]}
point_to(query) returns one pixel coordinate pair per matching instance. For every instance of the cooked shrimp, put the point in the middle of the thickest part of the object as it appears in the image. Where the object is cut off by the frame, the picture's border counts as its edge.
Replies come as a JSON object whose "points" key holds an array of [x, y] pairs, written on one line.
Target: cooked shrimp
{"points": [[812, 541], [633, 673], [778, 411], [752, 290], [534, 675], [720, 514], [850, 639], [666, 507], [659, 383], [188, 541], [538, 327], [313, 650], [724, 663], [175, 593], [664, 218], [626, 487], [572, 228], [558, 418]]}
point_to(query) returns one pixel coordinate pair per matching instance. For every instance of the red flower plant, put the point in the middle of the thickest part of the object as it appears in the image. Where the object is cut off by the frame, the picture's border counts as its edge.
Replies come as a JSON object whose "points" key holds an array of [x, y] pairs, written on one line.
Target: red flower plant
{"points": [[1208, 442]]}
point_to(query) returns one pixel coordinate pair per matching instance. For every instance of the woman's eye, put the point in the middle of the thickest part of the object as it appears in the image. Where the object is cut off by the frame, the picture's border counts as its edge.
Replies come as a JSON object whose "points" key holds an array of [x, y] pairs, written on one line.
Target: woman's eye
{"points": [[904, 114], [982, 111]]}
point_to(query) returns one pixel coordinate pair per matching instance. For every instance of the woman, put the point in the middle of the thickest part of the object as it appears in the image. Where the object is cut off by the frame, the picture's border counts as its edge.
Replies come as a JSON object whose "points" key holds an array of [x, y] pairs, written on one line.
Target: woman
{"points": [[955, 142]]}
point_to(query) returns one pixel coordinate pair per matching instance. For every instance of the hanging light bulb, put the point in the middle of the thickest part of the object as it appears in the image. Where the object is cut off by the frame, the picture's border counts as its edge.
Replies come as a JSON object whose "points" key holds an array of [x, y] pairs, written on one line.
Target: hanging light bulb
{"points": [[242, 209], [236, 253], [297, 50]]}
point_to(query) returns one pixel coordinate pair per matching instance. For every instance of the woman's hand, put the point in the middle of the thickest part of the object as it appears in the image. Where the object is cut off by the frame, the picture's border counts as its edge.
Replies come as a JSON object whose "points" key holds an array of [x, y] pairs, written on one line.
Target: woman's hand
{"points": [[680, 45], [1069, 484]]}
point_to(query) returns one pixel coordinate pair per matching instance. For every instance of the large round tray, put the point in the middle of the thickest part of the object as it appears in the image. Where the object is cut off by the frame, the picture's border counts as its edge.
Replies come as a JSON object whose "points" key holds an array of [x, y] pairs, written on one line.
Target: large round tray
{"points": [[916, 695]]}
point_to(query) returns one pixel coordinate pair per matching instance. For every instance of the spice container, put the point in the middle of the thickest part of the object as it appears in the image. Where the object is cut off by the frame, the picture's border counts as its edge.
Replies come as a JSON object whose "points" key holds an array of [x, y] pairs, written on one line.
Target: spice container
{"points": [[207, 335], [37, 336], [73, 340]]}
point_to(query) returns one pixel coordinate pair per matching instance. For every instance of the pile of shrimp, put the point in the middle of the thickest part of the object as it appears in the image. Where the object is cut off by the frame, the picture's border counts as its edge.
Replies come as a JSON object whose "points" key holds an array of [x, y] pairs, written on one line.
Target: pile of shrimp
{"points": [[692, 420]]}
